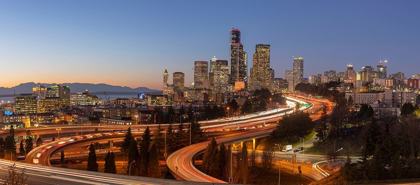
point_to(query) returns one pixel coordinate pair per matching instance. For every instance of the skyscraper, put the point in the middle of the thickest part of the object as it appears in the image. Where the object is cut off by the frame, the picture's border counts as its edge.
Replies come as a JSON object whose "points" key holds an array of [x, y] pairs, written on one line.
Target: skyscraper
{"points": [[178, 81], [261, 73], [350, 76], [297, 71], [201, 74], [290, 80], [165, 78], [381, 71], [238, 65], [211, 72]]}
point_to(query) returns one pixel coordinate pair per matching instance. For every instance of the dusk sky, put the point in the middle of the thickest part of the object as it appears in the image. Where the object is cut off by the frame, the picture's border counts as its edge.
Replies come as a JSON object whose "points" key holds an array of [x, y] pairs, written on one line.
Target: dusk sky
{"points": [[130, 43]]}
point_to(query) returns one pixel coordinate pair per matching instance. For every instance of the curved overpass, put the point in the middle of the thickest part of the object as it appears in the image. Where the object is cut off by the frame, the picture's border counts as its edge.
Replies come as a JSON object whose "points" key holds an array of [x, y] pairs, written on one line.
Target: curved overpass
{"points": [[181, 162]]}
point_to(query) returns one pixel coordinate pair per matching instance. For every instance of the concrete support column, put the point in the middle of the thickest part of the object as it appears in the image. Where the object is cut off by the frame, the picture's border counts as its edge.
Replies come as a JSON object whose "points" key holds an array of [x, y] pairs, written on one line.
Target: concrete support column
{"points": [[253, 144]]}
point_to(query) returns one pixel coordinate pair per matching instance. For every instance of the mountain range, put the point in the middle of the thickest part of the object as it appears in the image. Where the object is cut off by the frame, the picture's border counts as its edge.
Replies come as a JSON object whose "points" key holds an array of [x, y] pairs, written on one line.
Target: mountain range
{"points": [[74, 88]]}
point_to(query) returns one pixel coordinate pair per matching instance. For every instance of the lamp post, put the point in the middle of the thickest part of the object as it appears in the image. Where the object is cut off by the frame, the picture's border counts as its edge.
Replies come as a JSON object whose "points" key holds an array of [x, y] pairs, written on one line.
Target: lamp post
{"points": [[279, 162], [58, 132], [228, 108], [129, 168], [165, 154], [231, 166]]}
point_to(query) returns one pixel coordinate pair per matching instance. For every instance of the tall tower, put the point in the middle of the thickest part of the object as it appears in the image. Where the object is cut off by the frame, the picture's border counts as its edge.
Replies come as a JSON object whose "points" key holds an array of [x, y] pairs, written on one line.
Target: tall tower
{"points": [[261, 73], [201, 74], [350, 76], [297, 71], [165, 78], [238, 65]]}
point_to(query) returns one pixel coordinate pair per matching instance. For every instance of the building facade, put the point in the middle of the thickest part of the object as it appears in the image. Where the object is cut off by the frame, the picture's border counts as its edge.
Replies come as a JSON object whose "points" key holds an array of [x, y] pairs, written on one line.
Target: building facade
{"points": [[261, 73], [201, 74], [238, 64]]}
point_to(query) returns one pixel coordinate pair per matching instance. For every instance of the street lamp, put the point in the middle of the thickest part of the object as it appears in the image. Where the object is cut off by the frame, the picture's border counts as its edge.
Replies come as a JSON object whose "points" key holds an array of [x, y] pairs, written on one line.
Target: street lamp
{"points": [[58, 132], [129, 167], [279, 162]]}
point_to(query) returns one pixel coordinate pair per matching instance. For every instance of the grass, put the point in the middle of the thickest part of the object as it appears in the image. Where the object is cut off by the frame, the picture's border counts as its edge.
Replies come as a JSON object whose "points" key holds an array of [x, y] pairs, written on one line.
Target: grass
{"points": [[351, 146], [270, 177]]}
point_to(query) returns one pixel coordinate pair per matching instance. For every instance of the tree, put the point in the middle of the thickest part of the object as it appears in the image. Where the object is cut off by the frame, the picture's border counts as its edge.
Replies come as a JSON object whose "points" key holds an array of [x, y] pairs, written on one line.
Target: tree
{"points": [[15, 177], [10, 148], [92, 165], [233, 105], [153, 166], [143, 159], [96, 130], [180, 139], [267, 158], [181, 113], [207, 155], [159, 140], [407, 109], [292, 127], [372, 139], [350, 102], [29, 145], [243, 165], [127, 140], [133, 154], [53, 138], [21, 148], [110, 163], [213, 166], [62, 157], [369, 112], [1, 147], [197, 135], [146, 138], [39, 142], [362, 111], [222, 162], [247, 107]]}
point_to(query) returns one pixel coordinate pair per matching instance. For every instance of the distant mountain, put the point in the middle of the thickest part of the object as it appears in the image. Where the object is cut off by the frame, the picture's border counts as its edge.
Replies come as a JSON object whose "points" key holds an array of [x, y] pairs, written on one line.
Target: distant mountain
{"points": [[74, 88]]}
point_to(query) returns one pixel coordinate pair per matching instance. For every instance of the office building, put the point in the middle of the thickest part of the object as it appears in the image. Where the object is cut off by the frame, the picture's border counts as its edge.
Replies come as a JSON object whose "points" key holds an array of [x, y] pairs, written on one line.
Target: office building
{"points": [[25, 104], [381, 69], [290, 80], [201, 74], [238, 64], [297, 71], [261, 73], [178, 83]]}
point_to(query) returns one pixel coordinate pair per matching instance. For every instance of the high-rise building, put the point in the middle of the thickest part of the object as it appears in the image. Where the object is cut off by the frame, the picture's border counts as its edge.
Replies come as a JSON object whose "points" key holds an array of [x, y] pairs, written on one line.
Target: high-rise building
{"points": [[58, 91], [238, 64], [201, 74], [211, 72], [25, 104], [297, 71], [350, 76], [381, 71], [165, 78], [178, 81], [290, 80], [221, 76], [331, 75], [261, 73], [367, 74]]}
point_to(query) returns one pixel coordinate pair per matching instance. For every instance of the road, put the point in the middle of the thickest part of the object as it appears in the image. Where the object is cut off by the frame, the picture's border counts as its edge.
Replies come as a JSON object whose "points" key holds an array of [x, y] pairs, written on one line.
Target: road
{"points": [[180, 162]]}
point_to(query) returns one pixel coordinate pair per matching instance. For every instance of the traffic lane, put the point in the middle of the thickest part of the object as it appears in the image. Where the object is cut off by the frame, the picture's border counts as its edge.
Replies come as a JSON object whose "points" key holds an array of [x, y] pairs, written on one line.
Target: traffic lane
{"points": [[37, 178]]}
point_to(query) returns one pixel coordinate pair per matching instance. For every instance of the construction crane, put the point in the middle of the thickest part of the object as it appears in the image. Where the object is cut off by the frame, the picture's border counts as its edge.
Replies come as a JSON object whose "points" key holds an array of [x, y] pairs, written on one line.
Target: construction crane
{"points": [[106, 97]]}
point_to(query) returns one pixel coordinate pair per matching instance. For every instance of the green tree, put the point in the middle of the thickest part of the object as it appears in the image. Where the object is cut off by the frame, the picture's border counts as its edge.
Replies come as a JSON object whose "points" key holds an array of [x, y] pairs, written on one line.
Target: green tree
{"points": [[407, 109], [213, 166], [350, 102], [293, 126], [207, 155], [153, 165], [110, 163], [96, 130], [143, 159], [127, 140], [1, 147], [62, 157], [222, 162], [247, 107], [133, 154], [243, 165], [29, 145], [10, 148], [39, 141], [372, 139], [159, 140], [181, 113], [21, 148], [146, 138], [92, 165], [362, 111], [197, 135], [369, 112], [233, 105]]}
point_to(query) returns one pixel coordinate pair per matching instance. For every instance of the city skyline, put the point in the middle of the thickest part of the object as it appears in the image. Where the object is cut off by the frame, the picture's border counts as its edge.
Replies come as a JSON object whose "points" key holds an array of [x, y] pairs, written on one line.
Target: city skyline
{"points": [[44, 48]]}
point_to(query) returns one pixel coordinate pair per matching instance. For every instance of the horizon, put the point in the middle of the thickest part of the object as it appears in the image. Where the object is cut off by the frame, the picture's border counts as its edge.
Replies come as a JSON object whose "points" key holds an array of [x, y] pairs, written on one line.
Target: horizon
{"points": [[52, 44]]}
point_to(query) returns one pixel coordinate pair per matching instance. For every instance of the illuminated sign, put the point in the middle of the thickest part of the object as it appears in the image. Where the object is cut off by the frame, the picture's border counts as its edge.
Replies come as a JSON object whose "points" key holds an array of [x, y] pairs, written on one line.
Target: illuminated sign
{"points": [[8, 112]]}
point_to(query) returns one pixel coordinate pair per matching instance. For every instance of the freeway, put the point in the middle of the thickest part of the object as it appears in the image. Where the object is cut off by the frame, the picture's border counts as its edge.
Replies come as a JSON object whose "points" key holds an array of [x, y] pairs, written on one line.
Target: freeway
{"points": [[181, 164]]}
